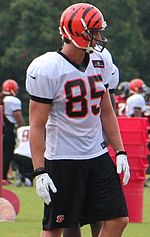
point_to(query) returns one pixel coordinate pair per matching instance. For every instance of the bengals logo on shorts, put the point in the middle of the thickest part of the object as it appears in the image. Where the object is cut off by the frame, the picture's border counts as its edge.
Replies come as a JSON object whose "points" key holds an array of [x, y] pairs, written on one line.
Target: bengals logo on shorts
{"points": [[60, 218]]}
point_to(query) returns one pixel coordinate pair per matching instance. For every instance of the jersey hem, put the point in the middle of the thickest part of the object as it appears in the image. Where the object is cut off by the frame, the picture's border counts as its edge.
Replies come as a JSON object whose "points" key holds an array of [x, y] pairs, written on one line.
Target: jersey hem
{"points": [[92, 156]]}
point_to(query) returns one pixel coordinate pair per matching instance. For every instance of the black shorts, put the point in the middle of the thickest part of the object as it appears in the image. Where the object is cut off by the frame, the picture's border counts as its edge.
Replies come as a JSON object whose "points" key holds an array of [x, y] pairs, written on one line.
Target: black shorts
{"points": [[87, 191]]}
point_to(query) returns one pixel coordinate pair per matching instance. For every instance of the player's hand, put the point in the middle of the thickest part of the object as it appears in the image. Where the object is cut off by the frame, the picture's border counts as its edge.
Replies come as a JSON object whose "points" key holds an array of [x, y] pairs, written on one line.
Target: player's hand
{"points": [[123, 166], [43, 183]]}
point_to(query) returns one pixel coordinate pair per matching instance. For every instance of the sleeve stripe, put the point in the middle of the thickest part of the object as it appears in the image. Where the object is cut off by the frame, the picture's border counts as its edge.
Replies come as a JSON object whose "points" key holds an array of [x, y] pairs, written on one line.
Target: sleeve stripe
{"points": [[41, 100], [112, 91], [16, 110], [106, 85]]}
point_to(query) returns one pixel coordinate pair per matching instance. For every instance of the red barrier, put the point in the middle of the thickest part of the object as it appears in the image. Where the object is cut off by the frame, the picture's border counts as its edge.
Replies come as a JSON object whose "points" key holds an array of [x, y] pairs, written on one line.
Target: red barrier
{"points": [[133, 124], [134, 135], [134, 198], [138, 162]]}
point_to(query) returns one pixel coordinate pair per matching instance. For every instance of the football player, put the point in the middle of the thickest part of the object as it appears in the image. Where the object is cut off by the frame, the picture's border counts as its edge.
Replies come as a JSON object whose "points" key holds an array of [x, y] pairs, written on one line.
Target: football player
{"points": [[135, 104], [123, 92], [12, 118], [96, 226], [74, 173], [22, 157]]}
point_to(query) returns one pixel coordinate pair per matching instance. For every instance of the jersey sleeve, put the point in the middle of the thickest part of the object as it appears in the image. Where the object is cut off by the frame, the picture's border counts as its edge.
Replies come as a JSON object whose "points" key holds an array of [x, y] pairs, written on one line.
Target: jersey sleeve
{"points": [[135, 101], [108, 66], [114, 78], [15, 104], [41, 80], [139, 102]]}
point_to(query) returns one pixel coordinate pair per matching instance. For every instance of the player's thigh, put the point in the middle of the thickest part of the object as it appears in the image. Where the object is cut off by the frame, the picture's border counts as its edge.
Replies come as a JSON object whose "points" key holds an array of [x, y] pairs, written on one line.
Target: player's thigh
{"points": [[70, 179], [104, 198]]}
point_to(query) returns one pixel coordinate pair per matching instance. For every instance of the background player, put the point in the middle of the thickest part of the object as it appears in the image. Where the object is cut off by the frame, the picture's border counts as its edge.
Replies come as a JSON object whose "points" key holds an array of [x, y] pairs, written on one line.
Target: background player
{"points": [[22, 157], [123, 92], [135, 104], [12, 117]]}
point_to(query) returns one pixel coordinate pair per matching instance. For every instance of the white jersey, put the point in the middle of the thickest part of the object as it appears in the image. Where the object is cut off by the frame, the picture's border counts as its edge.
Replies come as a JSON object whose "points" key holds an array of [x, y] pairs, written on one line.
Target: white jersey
{"points": [[11, 104], [23, 147], [135, 101], [114, 79], [73, 129]]}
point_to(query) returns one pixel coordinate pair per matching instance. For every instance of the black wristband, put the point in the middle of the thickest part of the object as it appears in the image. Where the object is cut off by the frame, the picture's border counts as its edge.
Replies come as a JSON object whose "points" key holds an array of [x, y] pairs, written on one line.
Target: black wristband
{"points": [[39, 171], [121, 153]]}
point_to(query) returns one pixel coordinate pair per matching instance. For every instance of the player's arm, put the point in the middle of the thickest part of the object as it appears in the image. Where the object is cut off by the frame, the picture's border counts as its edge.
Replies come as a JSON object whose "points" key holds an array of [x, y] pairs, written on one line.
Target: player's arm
{"points": [[41, 87], [112, 132], [19, 118], [110, 123], [38, 115], [112, 98]]}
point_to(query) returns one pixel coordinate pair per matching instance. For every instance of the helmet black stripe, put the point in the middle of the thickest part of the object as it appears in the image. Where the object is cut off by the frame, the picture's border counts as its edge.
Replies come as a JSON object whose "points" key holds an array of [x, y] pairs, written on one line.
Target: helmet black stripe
{"points": [[91, 19], [96, 22], [95, 13], [71, 19], [87, 10]]}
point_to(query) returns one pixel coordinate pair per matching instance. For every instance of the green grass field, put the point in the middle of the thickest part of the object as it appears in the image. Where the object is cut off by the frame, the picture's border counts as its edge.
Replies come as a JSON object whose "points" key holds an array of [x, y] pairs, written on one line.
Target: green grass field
{"points": [[28, 221]]}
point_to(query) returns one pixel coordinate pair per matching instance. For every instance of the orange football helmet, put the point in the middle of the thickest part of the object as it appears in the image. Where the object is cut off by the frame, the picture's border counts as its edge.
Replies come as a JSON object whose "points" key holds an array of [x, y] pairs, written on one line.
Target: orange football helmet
{"points": [[10, 87], [82, 24], [137, 85]]}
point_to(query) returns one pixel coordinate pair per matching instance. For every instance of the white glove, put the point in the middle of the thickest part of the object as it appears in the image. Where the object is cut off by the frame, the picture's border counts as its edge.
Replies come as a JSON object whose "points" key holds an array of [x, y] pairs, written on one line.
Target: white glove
{"points": [[123, 166], [43, 183]]}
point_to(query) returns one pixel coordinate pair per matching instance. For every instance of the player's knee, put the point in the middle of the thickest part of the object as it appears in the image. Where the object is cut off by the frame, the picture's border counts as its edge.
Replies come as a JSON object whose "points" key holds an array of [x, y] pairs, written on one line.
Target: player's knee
{"points": [[118, 223], [122, 222]]}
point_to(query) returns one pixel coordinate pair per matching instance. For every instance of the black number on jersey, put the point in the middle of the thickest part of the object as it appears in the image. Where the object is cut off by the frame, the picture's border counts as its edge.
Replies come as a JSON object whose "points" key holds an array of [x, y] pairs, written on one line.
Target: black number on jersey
{"points": [[72, 87], [94, 92], [76, 94]]}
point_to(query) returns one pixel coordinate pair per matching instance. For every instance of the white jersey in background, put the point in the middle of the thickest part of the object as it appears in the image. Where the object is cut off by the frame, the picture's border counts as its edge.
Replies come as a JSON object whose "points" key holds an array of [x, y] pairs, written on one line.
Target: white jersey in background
{"points": [[135, 101], [23, 147], [11, 104], [74, 129]]}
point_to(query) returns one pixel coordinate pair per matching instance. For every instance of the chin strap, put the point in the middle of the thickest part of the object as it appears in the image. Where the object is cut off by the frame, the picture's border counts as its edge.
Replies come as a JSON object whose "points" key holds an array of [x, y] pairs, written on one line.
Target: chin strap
{"points": [[89, 50]]}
